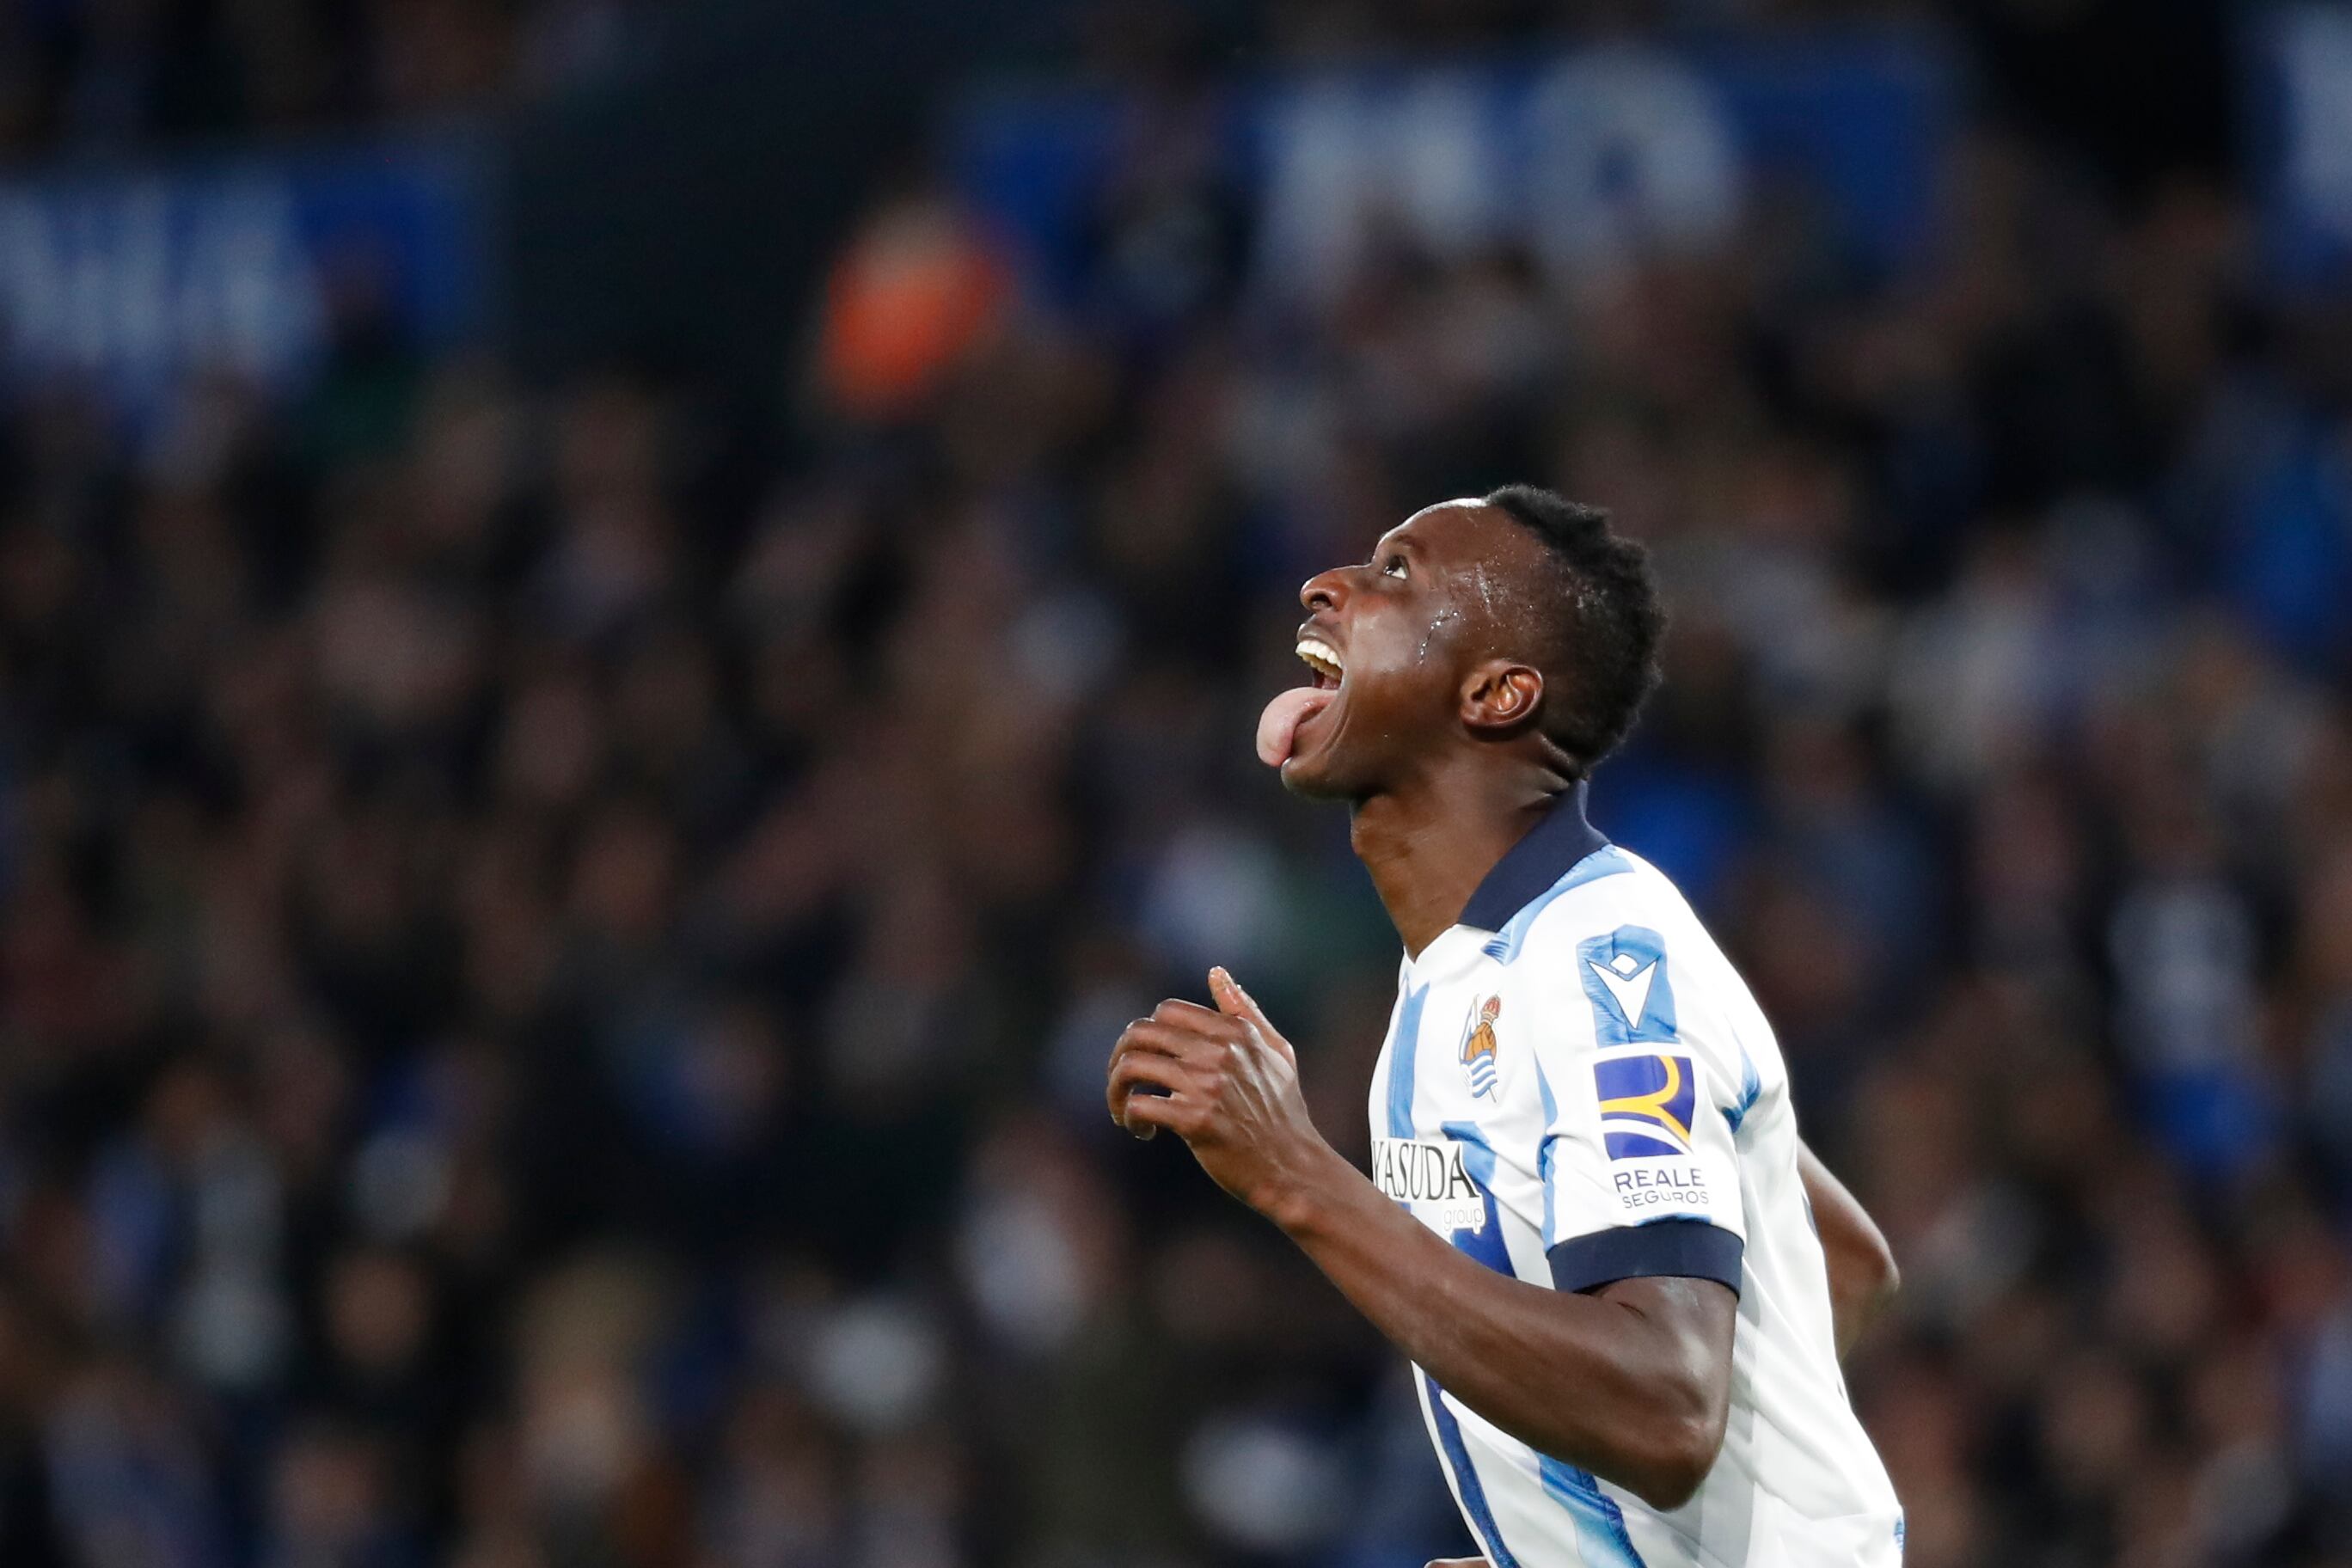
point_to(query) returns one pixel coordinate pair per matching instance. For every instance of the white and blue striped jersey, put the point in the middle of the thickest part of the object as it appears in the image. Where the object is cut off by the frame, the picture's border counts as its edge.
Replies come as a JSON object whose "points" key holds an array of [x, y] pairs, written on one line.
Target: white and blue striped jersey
{"points": [[1576, 1087]]}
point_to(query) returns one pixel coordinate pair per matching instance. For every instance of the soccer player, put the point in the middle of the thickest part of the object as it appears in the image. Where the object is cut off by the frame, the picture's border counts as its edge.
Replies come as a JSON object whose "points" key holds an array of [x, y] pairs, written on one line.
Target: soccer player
{"points": [[1589, 1222]]}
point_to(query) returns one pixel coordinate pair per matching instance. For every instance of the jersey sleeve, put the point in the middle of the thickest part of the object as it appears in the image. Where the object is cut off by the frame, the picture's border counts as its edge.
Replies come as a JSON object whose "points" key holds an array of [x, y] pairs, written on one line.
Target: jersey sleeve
{"points": [[1638, 1161]]}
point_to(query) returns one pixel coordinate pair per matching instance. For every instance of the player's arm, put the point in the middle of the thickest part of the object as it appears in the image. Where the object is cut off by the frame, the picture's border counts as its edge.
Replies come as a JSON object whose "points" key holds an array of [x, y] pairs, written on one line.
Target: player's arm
{"points": [[1863, 1276], [1630, 1381]]}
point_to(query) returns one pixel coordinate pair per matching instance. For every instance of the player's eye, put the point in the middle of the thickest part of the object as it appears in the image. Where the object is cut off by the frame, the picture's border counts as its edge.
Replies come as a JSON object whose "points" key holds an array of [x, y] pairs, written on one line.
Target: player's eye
{"points": [[1393, 567]]}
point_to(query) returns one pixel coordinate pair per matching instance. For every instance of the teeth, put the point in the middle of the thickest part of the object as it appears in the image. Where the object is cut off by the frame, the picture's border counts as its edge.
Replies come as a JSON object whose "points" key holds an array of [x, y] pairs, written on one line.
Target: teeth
{"points": [[1321, 658]]}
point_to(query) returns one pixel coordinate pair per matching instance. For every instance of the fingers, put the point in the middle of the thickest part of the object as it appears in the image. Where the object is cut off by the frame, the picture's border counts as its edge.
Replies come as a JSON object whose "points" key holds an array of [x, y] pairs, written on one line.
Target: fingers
{"points": [[1231, 1000], [1146, 1051], [1174, 1053], [1147, 1114], [1145, 1071], [1190, 1016], [1121, 1082], [1149, 1070], [1162, 1039], [1235, 1002]]}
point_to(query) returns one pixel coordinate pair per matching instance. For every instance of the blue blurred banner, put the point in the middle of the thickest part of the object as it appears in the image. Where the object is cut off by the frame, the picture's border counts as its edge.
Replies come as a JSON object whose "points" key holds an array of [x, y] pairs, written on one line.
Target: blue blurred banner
{"points": [[128, 280], [1577, 156], [2299, 103]]}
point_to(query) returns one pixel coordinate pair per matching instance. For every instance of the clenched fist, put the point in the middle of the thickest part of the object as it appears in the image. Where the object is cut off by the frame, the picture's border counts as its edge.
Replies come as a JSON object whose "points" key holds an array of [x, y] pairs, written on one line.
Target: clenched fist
{"points": [[1225, 1081]]}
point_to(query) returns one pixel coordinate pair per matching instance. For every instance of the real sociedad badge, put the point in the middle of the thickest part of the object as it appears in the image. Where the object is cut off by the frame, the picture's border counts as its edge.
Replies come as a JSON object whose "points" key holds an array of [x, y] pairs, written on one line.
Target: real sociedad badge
{"points": [[1478, 1050]]}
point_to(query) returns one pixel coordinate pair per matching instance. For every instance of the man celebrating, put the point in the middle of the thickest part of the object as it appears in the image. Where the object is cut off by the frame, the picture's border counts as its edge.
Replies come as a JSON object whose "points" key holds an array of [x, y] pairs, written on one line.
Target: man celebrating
{"points": [[1591, 1223]]}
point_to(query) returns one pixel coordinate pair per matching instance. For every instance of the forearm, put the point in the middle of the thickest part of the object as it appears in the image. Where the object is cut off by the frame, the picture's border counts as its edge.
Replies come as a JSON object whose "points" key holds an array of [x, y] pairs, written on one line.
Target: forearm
{"points": [[1855, 1304], [1631, 1382], [1584, 1378], [1862, 1272]]}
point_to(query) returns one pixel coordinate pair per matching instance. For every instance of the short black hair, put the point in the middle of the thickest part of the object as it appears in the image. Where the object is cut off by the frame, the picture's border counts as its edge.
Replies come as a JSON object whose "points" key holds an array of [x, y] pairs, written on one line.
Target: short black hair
{"points": [[1602, 664]]}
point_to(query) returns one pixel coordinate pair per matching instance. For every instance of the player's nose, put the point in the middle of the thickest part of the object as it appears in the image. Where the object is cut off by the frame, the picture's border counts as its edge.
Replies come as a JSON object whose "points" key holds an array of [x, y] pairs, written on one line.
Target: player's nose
{"points": [[1325, 590]]}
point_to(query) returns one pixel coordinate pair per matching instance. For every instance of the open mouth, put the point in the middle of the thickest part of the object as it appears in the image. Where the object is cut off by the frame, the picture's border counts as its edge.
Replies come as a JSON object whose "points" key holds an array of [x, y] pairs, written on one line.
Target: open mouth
{"points": [[1277, 727], [1323, 659]]}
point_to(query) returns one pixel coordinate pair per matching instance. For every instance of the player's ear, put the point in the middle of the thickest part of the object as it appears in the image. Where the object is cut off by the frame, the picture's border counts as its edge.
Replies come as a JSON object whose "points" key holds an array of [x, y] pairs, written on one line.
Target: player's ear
{"points": [[1500, 696]]}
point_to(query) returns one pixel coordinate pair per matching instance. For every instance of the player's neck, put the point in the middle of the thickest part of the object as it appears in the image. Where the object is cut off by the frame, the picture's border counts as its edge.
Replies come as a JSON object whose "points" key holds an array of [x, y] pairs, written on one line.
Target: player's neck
{"points": [[1429, 845]]}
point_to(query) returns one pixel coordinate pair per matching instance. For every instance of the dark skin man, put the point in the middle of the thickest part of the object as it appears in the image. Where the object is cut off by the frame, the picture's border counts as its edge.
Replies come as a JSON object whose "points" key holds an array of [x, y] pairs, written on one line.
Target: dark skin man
{"points": [[1431, 736]]}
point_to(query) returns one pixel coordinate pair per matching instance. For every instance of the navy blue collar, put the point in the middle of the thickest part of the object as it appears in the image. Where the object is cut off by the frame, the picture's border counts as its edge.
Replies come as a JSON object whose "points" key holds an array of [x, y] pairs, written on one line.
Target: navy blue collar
{"points": [[1529, 868]]}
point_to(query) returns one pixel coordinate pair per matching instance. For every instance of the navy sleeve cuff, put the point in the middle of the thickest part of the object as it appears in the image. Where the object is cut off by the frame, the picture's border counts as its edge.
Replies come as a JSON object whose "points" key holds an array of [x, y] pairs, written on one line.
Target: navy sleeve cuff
{"points": [[1666, 1248]]}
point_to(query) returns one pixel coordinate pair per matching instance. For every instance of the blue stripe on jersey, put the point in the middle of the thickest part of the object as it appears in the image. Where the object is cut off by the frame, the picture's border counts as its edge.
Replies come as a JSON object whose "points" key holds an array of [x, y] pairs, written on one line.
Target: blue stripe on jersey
{"points": [[1478, 1156], [1543, 1154], [1750, 1086], [1401, 1053], [1601, 1539], [1486, 1243], [1456, 1454], [1606, 861]]}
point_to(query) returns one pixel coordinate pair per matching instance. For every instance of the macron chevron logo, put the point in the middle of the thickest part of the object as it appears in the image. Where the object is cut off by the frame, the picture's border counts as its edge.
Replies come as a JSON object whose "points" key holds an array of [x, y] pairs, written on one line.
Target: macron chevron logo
{"points": [[1628, 980]]}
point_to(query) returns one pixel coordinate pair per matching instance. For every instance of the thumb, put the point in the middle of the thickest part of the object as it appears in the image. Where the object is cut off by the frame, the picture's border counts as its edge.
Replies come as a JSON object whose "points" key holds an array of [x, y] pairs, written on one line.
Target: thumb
{"points": [[1235, 1002]]}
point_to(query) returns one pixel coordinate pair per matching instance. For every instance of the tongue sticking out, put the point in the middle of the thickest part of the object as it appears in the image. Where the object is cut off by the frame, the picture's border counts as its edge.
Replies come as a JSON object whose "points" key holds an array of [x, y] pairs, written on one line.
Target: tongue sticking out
{"points": [[1279, 724]]}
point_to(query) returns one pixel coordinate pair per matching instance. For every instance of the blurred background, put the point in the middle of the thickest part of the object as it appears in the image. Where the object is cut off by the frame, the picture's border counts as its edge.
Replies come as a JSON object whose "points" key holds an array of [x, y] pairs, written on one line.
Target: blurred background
{"points": [[629, 631]]}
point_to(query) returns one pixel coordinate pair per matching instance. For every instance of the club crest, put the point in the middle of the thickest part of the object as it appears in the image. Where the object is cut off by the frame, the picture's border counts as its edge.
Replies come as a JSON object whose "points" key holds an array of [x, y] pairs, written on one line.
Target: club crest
{"points": [[1478, 1049]]}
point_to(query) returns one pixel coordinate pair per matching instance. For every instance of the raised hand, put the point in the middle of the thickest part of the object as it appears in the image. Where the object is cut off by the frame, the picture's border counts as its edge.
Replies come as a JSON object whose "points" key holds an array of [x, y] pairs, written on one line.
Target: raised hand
{"points": [[1225, 1081]]}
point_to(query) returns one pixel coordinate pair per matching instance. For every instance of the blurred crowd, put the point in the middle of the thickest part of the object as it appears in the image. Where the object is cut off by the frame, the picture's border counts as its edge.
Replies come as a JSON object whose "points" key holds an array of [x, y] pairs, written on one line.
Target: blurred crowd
{"points": [[2140, 85], [557, 949], [100, 77]]}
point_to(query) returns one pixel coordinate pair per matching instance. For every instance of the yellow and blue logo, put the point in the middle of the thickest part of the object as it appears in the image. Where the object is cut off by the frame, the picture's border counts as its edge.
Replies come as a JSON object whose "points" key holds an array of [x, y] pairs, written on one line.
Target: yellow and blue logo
{"points": [[1645, 1105]]}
